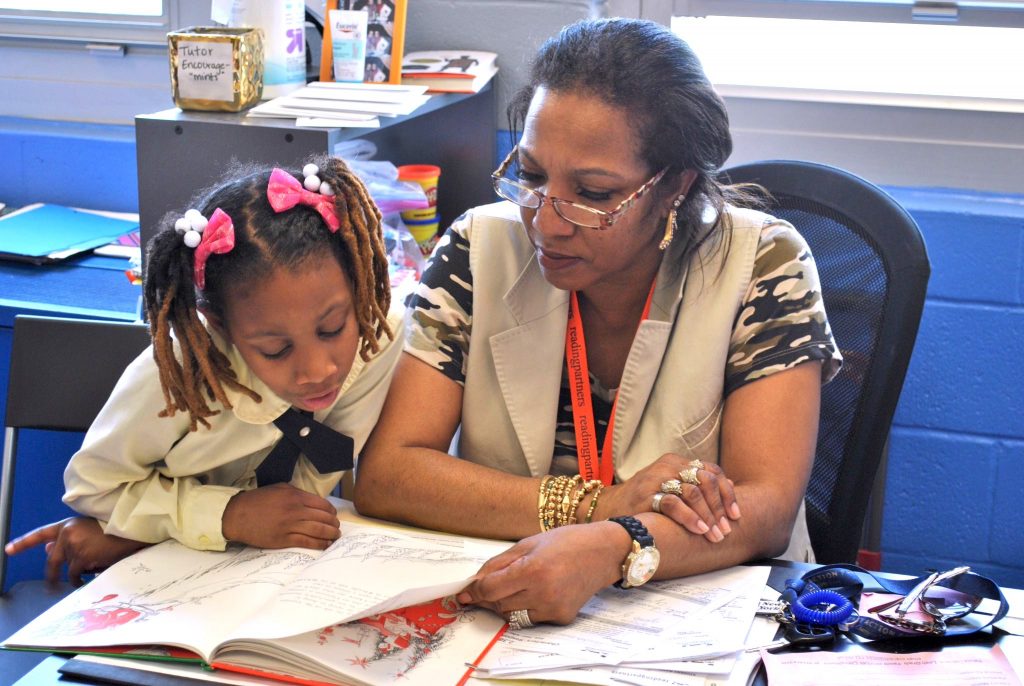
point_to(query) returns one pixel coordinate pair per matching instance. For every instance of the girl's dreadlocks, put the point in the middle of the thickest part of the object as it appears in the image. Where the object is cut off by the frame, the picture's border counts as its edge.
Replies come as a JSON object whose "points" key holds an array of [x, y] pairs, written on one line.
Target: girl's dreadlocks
{"points": [[264, 241]]}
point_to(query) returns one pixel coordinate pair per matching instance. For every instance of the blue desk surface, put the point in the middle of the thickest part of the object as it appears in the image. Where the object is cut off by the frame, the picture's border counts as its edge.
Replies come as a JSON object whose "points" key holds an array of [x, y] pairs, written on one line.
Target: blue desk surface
{"points": [[86, 286]]}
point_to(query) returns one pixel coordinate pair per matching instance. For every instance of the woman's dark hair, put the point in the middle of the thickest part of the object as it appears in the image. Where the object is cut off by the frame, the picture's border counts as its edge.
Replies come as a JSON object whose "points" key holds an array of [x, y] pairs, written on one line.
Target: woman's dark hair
{"points": [[265, 240], [652, 74]]}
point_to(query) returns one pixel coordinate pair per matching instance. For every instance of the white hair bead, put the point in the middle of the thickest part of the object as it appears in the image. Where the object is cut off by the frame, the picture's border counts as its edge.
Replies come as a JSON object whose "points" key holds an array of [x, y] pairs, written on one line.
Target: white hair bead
{"points": [[310, 170], [325, 189], [182, 225], [312, 183], [197, 222], [192, 238]]}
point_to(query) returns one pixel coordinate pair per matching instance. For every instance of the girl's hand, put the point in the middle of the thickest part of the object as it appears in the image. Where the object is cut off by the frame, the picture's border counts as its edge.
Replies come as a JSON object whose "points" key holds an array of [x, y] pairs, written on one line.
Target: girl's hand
{"points": [[704, 510], [77, 541], [281, 516], [553, 574]]}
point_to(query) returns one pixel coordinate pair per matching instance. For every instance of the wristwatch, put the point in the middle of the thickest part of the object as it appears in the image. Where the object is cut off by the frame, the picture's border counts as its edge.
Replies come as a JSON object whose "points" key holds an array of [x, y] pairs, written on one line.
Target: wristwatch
{"points": [[642, 561]]}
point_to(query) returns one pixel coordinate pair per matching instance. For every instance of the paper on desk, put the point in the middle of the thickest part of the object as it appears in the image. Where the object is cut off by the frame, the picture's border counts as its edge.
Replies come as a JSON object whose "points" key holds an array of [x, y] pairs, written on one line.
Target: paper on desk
{"points": [[965, 666], [725, 619], [290, 105], [337, 123], [661, 621], [762, 631]]}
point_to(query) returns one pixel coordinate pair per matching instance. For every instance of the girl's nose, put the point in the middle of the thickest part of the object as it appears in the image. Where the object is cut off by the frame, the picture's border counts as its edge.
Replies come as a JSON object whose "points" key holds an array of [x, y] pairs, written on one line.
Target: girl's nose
{"points": [[316, 366]]}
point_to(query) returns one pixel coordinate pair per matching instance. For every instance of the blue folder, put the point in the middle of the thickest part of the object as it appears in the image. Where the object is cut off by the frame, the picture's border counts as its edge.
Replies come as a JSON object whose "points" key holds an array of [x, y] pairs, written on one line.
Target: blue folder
{"points": [[49, 233]]}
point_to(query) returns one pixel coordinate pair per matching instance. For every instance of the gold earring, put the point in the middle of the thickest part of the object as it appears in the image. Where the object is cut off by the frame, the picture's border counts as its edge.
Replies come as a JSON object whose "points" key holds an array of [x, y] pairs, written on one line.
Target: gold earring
{"points": [[670, 225]]}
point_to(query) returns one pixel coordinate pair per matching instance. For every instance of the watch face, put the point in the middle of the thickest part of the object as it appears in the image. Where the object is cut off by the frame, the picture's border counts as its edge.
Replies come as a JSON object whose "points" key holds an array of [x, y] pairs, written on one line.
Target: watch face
{"points": [[643, 566]]}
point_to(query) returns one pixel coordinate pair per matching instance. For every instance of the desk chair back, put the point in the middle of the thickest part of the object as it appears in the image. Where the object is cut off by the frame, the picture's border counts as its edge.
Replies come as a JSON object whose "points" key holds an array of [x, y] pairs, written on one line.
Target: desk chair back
{"points": [[874, 272], [62, 372]]}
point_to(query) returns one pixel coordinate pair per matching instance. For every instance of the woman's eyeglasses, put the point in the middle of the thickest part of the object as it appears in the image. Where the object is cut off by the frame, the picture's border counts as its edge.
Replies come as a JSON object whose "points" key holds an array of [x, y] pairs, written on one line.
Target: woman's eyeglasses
{"points": [[929, 605], [575, 213]]}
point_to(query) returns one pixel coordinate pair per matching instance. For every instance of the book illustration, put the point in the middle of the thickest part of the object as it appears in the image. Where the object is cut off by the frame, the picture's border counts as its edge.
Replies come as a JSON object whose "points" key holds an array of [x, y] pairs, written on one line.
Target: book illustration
{"points": [[461, 63], [401, 638], [450, 71], [465, 64]]}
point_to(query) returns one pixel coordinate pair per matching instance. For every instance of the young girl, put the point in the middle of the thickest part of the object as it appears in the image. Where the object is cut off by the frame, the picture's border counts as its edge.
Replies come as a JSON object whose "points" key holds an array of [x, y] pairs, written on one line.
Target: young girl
{"points": [[251, 401]]}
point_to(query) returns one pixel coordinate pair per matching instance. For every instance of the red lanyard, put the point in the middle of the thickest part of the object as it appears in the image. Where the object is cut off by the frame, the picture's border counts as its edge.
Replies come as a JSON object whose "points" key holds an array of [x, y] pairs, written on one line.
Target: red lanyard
{"points": [[593, 465]]}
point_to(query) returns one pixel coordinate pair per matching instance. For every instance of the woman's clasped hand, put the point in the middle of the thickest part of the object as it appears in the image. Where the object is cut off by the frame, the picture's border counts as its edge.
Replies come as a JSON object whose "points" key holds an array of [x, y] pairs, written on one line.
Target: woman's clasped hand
{"points": [[705, 508]]}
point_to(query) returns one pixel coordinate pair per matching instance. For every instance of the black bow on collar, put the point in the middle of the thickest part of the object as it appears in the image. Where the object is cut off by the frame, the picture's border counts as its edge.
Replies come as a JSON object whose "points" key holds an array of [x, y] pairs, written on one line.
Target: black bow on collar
{"points": [[327, 449]]}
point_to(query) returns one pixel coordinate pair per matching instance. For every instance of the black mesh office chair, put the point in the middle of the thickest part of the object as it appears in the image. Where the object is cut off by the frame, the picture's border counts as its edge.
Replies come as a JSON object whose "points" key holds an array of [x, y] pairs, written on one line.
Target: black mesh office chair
{"points": [[62, 371], [874, 272]]}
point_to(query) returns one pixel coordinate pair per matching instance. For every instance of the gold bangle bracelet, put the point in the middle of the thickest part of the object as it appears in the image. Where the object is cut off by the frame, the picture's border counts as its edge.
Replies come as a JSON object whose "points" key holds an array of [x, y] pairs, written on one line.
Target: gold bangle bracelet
{"points": [[593, 504]]}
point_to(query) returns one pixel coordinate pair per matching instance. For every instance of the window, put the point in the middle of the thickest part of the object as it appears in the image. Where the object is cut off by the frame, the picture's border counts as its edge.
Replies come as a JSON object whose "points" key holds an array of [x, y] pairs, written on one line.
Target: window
{"points": [[133, 22], [896, 52], [131, 7], [100, 62], [904, 93]]}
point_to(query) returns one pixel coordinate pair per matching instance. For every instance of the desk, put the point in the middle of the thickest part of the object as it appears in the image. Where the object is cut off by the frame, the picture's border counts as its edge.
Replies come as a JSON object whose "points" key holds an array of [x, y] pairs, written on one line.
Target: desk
{"points": [[46, 673], [180, 152]]}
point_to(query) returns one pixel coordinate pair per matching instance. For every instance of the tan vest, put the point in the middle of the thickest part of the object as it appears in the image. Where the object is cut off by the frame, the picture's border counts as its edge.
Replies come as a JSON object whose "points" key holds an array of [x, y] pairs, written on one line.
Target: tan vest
{"points": [[671, 393]]}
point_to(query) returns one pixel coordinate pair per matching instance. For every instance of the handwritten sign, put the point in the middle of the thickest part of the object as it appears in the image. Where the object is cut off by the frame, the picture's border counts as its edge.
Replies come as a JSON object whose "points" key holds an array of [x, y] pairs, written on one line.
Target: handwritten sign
{"points": [[205, 70]]}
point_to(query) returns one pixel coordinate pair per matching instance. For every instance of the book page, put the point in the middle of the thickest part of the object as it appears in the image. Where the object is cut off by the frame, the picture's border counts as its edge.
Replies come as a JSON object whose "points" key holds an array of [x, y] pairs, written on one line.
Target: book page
{"points": [[369, 570], [167, 594]]}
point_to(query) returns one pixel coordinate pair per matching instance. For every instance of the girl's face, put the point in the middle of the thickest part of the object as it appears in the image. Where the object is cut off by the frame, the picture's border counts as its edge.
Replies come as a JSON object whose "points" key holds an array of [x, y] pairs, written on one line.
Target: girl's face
{"points": [[578, 148], [296, 330]]}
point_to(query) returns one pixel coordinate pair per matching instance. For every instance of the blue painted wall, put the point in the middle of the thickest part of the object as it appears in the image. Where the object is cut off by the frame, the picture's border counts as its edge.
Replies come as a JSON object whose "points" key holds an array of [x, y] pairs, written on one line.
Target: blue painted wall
{"points": [[956, 461], [81, 165]]}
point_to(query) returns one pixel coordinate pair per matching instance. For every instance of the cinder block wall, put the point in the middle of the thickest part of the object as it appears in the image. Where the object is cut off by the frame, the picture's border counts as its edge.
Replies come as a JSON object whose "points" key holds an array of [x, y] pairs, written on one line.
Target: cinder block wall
{"points": [[955, 479]]}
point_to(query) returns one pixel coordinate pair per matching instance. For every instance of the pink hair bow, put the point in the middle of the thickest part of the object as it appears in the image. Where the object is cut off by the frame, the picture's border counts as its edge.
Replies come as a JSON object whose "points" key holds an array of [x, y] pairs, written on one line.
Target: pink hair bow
{"points": [[219, 238], [285, 192]]}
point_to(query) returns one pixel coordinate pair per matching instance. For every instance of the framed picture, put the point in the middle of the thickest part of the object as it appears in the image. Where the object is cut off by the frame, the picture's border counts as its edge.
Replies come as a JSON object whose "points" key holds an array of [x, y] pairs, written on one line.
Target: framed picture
{"points": [[385, 38]]}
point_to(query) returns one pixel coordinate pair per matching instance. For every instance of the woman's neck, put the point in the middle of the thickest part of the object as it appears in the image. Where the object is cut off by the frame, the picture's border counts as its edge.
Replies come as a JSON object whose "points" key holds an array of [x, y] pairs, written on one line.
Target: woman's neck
{"points": [[619, 303]]}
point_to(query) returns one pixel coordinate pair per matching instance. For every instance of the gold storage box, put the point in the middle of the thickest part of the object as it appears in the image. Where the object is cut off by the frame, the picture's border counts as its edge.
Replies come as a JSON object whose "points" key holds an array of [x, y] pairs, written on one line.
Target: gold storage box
{"points": [[216, 68]]}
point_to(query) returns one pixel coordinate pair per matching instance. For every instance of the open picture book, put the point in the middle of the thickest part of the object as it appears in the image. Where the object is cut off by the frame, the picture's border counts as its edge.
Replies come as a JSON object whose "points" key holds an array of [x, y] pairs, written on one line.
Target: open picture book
{"points": [[376, 606]]}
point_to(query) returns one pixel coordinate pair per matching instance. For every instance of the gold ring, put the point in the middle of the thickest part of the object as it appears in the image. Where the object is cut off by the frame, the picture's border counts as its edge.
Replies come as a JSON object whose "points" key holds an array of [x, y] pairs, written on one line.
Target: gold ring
{"points": [[656, 503], [673, 486], [689, 476], [699, 464]]}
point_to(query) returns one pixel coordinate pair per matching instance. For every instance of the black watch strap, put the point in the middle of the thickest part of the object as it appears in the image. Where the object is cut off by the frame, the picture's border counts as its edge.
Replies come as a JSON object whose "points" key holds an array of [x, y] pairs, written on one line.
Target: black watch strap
{"points": [[637, 531]]}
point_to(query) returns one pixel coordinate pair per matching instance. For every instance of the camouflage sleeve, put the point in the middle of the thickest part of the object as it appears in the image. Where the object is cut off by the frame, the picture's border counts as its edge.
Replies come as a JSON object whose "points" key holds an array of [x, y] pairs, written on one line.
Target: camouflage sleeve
{"points": [[782, 321], [440, 310]]}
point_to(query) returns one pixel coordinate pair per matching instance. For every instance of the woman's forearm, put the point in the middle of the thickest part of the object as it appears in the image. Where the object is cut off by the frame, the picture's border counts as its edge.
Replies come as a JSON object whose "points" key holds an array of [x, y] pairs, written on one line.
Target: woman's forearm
{"points": [[435, 490], [405, 474], [762, 532]]}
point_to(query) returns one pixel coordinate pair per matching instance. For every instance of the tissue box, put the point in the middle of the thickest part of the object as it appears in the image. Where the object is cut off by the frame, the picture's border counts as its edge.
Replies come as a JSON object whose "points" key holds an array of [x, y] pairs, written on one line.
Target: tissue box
{"points": [[216, 68]]}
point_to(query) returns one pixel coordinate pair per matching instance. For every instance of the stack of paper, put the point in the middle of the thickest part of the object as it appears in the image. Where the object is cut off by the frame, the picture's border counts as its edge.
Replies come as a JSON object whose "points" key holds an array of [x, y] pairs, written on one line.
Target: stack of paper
{"points": [[683, 632], [327, 104]]}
